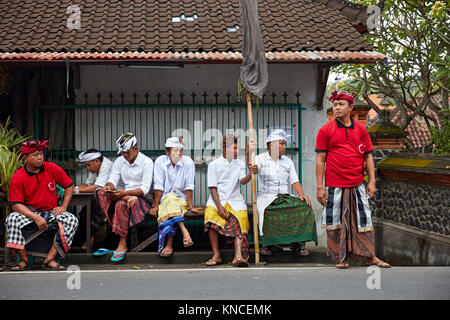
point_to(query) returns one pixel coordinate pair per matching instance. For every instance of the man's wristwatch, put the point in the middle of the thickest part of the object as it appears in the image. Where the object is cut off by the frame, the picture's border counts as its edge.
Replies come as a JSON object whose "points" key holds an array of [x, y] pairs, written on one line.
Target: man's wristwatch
{"points": [[77, 189]]}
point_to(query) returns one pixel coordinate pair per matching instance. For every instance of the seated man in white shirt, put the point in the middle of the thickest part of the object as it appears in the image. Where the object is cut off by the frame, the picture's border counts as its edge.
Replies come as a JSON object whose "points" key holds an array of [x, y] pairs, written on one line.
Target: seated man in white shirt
{"points": [[173, 187], [226, 211], [99, 168], [283, 219], [126, 208]]}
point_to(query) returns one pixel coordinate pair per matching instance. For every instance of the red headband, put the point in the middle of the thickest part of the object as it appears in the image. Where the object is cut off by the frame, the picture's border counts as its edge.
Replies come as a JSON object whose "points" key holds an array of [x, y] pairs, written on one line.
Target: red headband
{"points": [[341, 95], [31, 146]]}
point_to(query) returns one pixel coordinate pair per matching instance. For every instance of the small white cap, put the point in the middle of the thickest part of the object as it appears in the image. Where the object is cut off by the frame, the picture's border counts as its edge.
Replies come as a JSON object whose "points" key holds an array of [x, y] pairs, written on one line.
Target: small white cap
{"points": [[277, 134], [173, 142]]}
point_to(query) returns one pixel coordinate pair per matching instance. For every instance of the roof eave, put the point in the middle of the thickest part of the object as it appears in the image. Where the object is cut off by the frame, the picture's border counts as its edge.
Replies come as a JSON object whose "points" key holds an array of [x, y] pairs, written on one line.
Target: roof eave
{"points": [[193, 57]]}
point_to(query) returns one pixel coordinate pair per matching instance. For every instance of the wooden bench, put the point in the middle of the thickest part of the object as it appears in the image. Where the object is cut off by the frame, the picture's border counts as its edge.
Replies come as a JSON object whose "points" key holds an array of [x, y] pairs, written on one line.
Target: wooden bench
{"points": [[137, 247]]}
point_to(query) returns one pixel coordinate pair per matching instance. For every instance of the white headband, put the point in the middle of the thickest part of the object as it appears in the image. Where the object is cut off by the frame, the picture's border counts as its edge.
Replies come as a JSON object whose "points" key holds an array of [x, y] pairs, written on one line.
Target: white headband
{"points": [[85, 157], [277, 134], [127, 143], [173, 142]]}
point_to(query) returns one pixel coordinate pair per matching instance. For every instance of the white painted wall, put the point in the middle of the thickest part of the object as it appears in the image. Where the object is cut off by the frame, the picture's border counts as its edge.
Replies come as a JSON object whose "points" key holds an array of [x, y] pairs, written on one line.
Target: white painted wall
{"points": [[289, 78]]}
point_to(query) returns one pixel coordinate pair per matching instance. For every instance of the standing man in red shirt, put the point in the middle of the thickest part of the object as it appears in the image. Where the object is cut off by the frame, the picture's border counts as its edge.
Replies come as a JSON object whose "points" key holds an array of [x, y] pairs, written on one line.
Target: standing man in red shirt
{"points": [[342, 147], [35, 208]]}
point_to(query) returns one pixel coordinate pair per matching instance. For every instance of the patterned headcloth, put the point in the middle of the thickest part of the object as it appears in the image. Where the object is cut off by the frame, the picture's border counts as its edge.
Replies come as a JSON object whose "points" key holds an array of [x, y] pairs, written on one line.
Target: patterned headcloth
{"points": [[31, 146], [86, 157], [125, 142], [341, 95]]}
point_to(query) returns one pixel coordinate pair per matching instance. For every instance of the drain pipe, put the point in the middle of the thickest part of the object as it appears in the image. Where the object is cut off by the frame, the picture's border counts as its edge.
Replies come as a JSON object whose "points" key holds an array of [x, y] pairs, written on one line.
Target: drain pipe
{"points": [[67, 77]]}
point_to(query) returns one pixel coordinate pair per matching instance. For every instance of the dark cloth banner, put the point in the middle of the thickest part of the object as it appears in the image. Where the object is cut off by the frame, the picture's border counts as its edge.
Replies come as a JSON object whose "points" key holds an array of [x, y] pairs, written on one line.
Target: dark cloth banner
{"points": [[254, 76]]}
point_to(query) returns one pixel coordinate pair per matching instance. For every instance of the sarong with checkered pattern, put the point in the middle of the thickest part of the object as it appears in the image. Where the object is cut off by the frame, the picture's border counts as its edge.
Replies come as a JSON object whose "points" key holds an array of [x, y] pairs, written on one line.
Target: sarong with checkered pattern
{"points": [[65, 224]]}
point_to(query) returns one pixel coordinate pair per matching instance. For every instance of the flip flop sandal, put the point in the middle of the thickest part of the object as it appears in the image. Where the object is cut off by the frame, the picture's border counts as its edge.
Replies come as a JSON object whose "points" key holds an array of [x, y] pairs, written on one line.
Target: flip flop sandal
{"points": [[101, 252], [215, 262], [19, 268], [266, 252], [166, 255], [189, 244], [115, 254], [343, 266], [242, 263], [46, 266], [302, 252], [379, 264]]}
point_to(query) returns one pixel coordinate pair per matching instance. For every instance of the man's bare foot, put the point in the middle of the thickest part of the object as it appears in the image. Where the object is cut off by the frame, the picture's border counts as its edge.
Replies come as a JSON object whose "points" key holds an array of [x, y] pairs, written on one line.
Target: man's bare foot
{"points": [[52, 265], [343, 265], [166, 252], [214, 261], [22, 265], [377, 262], [240, 262], [187, 240], [84, 247]]}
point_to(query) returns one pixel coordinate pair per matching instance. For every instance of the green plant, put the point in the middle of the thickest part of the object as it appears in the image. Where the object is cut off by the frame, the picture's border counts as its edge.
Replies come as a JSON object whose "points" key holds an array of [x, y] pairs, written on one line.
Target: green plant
{"points": [[10, 140], [9, 163], [441, 136], [10, 137]]}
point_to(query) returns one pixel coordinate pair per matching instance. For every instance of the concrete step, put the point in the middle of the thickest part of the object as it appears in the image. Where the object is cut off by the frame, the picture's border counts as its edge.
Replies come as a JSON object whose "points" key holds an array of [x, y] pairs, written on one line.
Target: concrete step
{"points": [[317, 257]]}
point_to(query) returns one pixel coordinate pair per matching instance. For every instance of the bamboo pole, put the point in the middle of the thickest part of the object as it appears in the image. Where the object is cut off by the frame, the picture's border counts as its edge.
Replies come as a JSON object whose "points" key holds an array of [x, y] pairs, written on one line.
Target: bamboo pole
{"points": [[252, 161]]}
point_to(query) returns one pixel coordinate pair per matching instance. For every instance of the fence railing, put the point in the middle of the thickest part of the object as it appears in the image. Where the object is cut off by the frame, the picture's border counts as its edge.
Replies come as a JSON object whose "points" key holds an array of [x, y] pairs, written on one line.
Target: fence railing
{"points": [[201, 125]]}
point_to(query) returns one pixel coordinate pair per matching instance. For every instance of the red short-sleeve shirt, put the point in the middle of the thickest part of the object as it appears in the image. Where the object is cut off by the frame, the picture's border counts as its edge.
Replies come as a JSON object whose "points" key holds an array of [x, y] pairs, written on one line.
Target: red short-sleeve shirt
{"points": [[38, 189], [345, 148]]}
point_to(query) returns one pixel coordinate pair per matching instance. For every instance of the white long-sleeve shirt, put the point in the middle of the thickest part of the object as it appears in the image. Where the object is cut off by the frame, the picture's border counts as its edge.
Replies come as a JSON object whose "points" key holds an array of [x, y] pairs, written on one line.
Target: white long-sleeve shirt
{"points": [[139, 174], [101, 177]]}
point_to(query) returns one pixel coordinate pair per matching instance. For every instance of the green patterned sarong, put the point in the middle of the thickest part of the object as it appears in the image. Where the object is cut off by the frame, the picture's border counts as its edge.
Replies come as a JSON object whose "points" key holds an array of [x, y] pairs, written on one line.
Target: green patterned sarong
{"points": [[287, 220]]}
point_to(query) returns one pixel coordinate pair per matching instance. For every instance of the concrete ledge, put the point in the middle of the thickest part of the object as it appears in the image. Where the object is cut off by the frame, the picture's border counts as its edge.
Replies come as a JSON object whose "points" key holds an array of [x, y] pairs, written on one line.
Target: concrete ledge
{"points": [[403, 245], [317, 256]]}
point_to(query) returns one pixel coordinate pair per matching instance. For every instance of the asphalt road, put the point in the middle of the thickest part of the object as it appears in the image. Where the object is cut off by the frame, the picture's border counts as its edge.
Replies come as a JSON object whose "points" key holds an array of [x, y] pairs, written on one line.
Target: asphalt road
{"points": [[268, 283]]}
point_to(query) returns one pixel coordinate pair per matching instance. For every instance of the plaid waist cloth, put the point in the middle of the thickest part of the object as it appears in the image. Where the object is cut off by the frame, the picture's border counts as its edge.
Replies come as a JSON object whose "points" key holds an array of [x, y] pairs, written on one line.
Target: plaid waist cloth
{"points": [[21, 230], [348, 239], [331, 216], [231, 230]]}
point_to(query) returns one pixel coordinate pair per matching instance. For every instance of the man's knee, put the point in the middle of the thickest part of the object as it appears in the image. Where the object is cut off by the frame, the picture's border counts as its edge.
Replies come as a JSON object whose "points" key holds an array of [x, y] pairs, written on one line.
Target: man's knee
{"points": [[99, 195], [73, 219], [121, 205], [11, 218]]}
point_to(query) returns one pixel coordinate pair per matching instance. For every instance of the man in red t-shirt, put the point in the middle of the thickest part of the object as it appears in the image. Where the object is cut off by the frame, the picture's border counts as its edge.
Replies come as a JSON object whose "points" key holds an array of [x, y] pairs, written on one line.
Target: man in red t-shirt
{"points": [[343, 146], [33, 200]]}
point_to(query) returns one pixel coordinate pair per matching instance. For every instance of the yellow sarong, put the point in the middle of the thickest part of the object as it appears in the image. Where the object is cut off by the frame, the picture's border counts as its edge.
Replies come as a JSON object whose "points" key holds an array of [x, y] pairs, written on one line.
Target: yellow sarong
{"points": [[171, 206], [212, 216]]}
